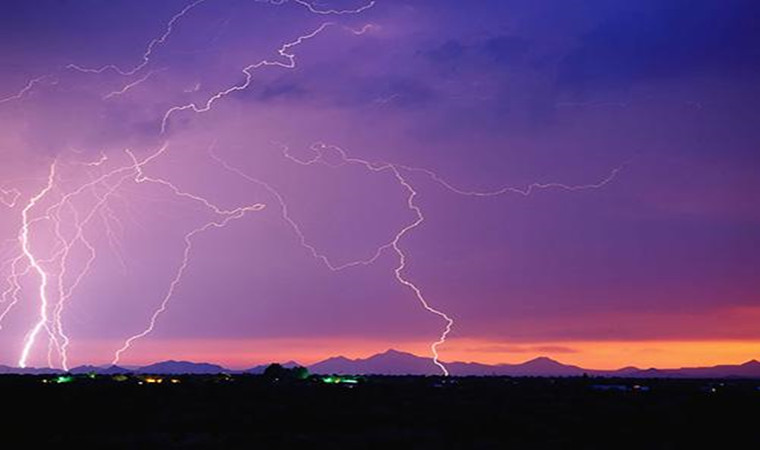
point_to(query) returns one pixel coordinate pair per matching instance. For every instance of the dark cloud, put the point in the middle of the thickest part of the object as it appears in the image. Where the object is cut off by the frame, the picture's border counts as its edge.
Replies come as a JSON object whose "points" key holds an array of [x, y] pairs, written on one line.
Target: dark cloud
{"points": [[667, 39], [507, 50], [282, 91]]}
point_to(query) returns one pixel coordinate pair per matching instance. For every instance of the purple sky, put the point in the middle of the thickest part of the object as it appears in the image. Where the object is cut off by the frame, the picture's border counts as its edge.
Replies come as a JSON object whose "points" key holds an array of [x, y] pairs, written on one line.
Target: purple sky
{"points": [[638, 120]]}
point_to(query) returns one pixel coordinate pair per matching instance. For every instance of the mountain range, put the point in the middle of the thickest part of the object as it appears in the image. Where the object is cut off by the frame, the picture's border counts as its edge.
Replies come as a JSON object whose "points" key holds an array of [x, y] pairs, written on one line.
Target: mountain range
{"points": [[393, 362]]}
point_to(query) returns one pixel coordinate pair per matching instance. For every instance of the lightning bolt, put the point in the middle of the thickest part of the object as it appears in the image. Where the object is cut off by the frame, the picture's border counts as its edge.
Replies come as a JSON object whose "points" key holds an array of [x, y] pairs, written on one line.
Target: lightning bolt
{"points": [[295, 227], [10, 295], [34, 264], [248, 72], [61, 254], [363, 30], [164, 37], [65, 293], [131, 85], [155, 42], [51, 311], [25, 90], [339, 12], [525, 192], [397, 171], [394, 244], [283, 51], [225, 217], [152, 45]]}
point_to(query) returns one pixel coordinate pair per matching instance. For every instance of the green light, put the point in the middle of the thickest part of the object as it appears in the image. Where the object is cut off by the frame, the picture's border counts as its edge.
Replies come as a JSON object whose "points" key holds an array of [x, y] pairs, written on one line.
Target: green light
{"points": [[64, 379], [339, 380]]}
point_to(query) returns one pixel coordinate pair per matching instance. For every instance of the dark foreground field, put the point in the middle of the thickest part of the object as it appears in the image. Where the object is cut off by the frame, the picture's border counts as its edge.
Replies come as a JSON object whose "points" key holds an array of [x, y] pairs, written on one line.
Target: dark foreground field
{"points": [[378, 413]]}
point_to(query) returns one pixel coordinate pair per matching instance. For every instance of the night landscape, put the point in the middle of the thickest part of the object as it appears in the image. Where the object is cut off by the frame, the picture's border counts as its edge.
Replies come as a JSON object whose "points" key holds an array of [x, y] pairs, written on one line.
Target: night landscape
{"points": [[425, 224]]}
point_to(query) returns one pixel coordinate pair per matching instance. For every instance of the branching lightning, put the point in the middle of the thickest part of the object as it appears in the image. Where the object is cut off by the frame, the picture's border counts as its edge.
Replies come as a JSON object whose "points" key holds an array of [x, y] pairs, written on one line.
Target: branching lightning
{"points": [[394, 243], [226, 216], [131, 85], [248, 72], [25, 90], [314, 10], [28, 262], [397, 172], [149, 49], [57, 280]]}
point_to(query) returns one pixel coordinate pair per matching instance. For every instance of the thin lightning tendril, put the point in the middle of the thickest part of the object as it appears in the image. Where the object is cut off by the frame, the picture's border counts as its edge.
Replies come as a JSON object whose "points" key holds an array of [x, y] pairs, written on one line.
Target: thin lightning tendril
{"points": [[131, 85], [8, 197], [163, 38], [337, 12], [226, 216], [149, 49], [25, 90], [248, 72], [395, 243]]}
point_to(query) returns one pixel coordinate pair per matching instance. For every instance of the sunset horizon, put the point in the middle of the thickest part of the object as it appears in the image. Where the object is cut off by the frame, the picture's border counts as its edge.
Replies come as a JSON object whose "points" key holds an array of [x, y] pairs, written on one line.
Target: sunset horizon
{"points": [[247, 181], [612, 355]]}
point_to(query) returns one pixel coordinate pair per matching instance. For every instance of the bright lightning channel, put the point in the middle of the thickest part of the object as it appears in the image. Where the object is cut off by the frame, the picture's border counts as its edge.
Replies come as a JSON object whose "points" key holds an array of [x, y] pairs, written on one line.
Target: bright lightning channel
{"points": [[35, 265], [394, 244], [148, 51]]}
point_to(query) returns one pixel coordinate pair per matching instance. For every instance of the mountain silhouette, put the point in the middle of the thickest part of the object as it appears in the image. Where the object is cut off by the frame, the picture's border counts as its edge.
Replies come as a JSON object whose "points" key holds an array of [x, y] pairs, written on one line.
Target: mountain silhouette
{"points": [[182, 367], [750, 369], [538, 367], [99, 370], [391, 362], [394, 362], [28, 370]]}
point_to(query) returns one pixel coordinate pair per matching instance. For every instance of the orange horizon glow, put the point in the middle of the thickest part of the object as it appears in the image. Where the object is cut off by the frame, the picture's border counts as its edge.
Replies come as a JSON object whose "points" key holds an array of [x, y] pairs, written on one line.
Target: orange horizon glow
{"points": [[245, 353]]}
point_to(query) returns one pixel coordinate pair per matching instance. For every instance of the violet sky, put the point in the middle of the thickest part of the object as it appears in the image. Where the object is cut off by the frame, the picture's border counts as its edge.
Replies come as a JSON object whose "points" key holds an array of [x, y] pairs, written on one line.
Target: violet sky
{"points": [[662, 95]]}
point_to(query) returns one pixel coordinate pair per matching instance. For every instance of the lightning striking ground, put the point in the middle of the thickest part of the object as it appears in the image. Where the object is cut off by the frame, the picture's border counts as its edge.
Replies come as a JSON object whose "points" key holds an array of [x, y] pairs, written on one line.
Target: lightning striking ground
{"points": [[34, 263], [50, 320], [395, 242], [25, 262]]}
